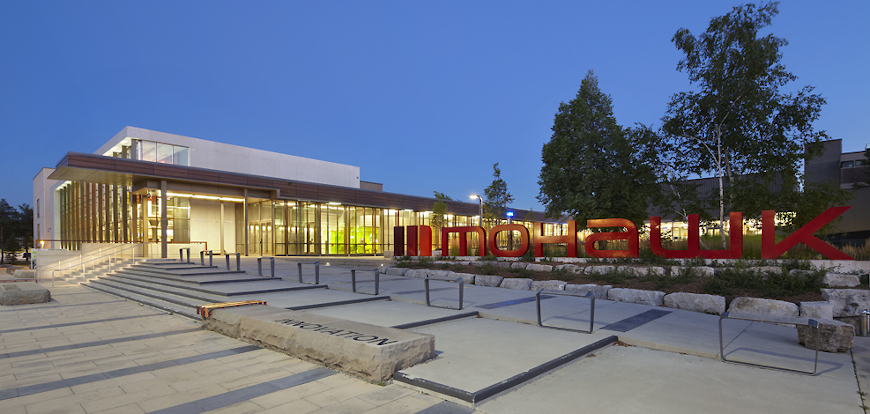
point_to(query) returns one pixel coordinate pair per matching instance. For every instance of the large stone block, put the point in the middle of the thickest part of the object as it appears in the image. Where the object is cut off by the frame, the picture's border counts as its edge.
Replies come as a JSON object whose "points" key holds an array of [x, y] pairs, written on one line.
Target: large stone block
{"points": [[817, 310], [23, 293], [467, 278], [834, 336], [506, 265], [438, 274], [25, 274], [368, 351], [397, 271], [519, 265], [764, 307], [696, 302], [643, 297], [516, 283], [702, 271], [603, 269], [548, 285], [383, 269], [417, 273], [599, 291], [847, 302], [536, 267], [491, 281], [641, 271], [569, 267], [830, 279]]}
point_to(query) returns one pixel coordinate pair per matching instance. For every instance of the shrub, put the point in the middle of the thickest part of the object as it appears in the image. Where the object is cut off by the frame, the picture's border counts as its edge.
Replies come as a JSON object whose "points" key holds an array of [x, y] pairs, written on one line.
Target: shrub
{"points": [[563, 274], [426, 262], [403, 261], [521, 272], [488, 269]]}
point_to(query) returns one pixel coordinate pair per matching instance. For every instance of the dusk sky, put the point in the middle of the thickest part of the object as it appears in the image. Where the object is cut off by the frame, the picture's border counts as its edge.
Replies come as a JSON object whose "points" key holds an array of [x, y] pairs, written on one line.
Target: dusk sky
{"points": [[422, 95]]}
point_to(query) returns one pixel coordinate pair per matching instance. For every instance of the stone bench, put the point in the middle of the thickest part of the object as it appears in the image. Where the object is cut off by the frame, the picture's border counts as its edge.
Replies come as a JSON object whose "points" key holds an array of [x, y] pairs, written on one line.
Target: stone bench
{"points": [[23, 293], [368, 351]]}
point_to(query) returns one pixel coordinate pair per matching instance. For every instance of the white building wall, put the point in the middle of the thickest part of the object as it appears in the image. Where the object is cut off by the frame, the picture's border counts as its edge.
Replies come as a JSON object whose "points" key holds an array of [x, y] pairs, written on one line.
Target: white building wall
{"points": [[243, 160], [46, 209], [205, 224]]}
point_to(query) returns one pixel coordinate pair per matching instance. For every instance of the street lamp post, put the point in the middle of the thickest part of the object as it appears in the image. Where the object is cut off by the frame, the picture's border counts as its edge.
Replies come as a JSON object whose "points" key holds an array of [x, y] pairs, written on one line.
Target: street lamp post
{"points": [[480, 216]]}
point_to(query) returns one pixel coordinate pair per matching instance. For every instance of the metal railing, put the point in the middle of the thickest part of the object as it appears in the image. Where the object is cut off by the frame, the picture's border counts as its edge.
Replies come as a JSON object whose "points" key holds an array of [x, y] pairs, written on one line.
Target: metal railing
{"points": [[210, 257], [110, 257], [377, 281], [181, 253], [461, 290], [316, 272], [588, 295], [260, 266], [771, 319], [238, 261]]}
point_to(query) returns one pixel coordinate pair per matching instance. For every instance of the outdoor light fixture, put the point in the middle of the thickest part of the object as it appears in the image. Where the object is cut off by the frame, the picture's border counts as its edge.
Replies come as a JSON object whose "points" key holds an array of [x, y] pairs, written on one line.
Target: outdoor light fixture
{"points": [[480, 201]]}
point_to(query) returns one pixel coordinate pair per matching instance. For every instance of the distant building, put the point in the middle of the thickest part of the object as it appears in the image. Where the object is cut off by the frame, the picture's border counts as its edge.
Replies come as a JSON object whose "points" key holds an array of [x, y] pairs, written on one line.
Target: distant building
{"points": [[845, 169]]}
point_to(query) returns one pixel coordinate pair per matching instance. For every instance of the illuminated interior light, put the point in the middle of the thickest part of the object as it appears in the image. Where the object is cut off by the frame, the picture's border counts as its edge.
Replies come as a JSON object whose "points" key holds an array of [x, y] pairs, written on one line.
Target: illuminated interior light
{"points": [[205, 197]]}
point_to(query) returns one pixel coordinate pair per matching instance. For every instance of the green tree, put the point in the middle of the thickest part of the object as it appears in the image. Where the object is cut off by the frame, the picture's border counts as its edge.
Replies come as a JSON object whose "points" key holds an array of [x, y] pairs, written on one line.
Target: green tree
{"points": [[737, 125], [439, 212], [9, 229], [594, 168], [497, 198]]}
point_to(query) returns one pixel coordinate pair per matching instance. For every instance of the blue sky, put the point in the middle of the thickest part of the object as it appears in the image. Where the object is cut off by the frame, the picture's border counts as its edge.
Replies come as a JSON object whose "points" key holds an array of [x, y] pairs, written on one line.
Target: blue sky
{"points": [[423, 96]]}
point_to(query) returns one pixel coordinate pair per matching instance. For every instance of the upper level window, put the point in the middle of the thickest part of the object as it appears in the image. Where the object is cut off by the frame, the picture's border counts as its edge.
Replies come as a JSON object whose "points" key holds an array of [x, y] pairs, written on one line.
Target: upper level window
{"points": [[847, 164], [162, 153]]}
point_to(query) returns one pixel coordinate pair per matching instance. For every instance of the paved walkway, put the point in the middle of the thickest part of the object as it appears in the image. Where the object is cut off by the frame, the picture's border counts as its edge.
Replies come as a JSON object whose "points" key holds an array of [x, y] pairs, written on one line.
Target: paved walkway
{"points": [[91, 352]]}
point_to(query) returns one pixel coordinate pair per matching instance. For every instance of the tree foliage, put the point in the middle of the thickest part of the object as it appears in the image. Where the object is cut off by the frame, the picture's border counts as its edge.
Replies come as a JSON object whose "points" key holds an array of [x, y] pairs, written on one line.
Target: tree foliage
{"points": [[737, 124], [497, 198], [15, 229], [439, 213], [594, 168]]}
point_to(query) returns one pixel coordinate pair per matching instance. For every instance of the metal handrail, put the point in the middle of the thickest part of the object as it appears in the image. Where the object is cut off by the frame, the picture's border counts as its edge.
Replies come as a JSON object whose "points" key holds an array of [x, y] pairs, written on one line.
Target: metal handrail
{"points": [[70, 261], [461, 290], [111, 257], [260, 266], [377, 281], [588, 295]]}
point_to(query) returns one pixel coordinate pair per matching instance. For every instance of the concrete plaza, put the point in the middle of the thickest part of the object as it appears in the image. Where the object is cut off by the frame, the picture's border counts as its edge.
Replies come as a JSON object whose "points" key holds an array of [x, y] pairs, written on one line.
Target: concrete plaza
{"points": [[89, 351]]}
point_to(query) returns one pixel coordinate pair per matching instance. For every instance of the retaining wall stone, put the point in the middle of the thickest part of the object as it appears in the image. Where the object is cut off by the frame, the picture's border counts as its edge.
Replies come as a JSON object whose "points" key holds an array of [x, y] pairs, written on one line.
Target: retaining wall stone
{"points": [[25, 274], [506, 265], [440, 274], [696, 302], [599, 291], [516, 283], [417, 273], [643, 297], [519, 265], [548, 285], [830, 279], [569, 267], [599, 269], [397, 271], [535, 267], [817, 310], [703, 271], [847, 302], [467, 278], [491, 281], [764, 307]]}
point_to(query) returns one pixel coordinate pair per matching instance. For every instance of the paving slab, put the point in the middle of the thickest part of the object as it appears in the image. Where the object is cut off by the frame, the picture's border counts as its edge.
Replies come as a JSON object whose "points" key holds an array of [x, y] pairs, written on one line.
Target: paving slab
{"points": [[391, 313], [478, 358], [637, 380]]}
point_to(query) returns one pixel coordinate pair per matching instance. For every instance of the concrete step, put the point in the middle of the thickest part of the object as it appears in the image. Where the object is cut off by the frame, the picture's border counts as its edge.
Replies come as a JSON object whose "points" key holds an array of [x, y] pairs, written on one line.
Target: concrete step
{"points": [[226, 289], [160, 296], [160, 289], [196, 279], [158, 303]]}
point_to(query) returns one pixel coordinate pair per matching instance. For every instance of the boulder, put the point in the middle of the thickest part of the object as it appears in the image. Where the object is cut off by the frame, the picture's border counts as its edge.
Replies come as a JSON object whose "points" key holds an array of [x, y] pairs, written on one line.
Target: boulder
{"points": [[439, 274], [764, 307], [830, 279], [383, 269], [599, 269], [569, 267], [817, 310], [516, 283], [519, 265], [396, 271], [506, 265], [696, 302], [467, 278], [702, 271], [23, 293], [417, 273], [25, 274], [548, 285], [641, 271], [535, 267], [491, 281], [643, 297], [847, 302], [834, 336], [599, 291]]}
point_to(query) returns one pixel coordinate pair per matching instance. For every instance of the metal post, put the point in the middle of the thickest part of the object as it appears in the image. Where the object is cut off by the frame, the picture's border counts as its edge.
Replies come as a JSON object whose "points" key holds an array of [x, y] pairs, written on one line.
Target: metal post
{"points": [[461, 291], [426, 286], [202, 257], [181, 254], [353, 279], [210, 258], [272, 259], [228, 261], [316, 273], [377, 280], [238, 261], [299, 265], [259, 266]]}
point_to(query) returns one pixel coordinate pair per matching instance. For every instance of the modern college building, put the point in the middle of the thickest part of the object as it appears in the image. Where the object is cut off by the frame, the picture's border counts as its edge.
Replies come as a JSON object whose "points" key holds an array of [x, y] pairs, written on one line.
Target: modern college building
{"points": [[172, 191]]}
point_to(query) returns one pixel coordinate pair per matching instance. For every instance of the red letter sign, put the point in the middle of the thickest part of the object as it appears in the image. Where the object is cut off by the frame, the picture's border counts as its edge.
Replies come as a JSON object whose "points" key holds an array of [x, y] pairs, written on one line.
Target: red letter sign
{"points": [[463, 241], [736, 250], [771, 250], [524, 240], [630, 234], [655, 239], [570, 238]]}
